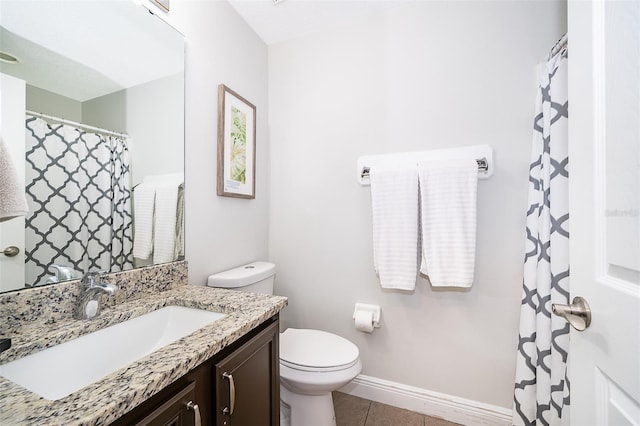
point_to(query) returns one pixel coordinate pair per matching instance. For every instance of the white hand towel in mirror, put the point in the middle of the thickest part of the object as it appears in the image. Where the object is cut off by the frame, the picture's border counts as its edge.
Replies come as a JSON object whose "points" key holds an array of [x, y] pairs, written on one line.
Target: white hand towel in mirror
{"points": [[448, 192], [179, 246], [144, 196], [13, 201], [164, 230], [394, 202]]}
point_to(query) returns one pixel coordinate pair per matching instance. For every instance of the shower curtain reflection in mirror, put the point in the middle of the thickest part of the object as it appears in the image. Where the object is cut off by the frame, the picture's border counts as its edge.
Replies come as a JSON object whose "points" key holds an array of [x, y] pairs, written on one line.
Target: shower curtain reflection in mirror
{"points": [[78, 186]]}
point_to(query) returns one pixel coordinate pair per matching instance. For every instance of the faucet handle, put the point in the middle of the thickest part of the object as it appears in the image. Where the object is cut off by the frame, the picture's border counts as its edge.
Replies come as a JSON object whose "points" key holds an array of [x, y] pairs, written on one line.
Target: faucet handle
{"points": [[63, 272], [90, 277]]}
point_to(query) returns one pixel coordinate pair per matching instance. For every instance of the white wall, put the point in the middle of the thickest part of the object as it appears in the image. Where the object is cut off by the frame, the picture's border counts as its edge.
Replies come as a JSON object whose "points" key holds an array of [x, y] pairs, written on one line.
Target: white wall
{"points": [[45, 102], [152, 114], [221, 232], [422, 76], [156, 149]]}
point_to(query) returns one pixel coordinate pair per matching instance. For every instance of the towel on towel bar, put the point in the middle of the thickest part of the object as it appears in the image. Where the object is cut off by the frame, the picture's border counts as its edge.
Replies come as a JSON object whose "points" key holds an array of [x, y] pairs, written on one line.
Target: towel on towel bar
{"points": [[144, 198], [164, 239], [179, 249], [394, 202], [448, 192]]}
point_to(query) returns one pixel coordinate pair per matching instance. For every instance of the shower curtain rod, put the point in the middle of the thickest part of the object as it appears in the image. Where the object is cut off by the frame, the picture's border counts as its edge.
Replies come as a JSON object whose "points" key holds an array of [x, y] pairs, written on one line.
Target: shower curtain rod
{"points": [[75, 124]]}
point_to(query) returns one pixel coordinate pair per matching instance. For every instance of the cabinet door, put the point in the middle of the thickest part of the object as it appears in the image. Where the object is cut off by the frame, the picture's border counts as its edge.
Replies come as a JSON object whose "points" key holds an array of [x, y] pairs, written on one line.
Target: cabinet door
{"points": [[179, 410], [248, 383]]}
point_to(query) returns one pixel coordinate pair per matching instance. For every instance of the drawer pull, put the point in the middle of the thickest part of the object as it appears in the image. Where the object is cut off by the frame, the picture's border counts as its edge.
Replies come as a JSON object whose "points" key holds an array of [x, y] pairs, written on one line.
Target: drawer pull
{"points": [[232, 393], [196, 412]]}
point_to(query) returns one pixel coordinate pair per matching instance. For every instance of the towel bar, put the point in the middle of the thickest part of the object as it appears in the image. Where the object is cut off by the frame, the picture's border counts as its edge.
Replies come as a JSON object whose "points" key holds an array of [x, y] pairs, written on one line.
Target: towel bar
{"points": [[483, 166], [483, 155]]}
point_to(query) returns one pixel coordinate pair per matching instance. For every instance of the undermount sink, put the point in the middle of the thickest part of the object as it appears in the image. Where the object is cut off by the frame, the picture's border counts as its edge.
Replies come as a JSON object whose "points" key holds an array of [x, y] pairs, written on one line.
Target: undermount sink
{"points": [[63, 369]]}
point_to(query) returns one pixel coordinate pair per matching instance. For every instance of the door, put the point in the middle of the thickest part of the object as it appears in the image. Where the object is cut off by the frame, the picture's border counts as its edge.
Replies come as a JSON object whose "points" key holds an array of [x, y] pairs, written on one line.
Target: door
{"points": [[247, 383], [604, 152], [12, 129]]}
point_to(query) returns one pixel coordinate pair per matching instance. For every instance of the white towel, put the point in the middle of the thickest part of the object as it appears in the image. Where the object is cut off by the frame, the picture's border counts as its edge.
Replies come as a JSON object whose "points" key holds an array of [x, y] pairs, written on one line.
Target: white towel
{"points": [[448, 218], [394, 201], [13, 201], [164, 230], [179, 249], [144, 196]]}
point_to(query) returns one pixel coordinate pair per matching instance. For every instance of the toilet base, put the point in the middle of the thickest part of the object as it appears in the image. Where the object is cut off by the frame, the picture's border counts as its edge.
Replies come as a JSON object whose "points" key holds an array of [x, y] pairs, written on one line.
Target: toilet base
{"points": [[307, 410]]}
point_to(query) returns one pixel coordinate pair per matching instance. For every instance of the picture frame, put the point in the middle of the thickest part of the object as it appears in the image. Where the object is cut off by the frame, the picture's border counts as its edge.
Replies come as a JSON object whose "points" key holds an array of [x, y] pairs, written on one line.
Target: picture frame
{"points": [[164, 4], [236, 145]]}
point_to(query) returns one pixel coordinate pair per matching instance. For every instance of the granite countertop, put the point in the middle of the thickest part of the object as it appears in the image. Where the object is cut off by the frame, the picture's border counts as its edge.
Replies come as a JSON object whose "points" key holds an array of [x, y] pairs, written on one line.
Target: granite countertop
{"points": [[109, 398]]}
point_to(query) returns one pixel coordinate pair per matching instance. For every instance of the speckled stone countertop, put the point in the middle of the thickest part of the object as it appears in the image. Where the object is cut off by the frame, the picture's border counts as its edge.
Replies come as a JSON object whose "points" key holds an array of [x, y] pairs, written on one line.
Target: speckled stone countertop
{"points": [[114, 395]]}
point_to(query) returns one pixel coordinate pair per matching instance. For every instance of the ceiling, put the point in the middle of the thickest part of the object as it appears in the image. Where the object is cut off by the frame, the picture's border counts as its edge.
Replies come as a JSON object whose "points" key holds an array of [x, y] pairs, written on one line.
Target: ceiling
{"points": [[289, 19], [85, 49], [63, 47]]}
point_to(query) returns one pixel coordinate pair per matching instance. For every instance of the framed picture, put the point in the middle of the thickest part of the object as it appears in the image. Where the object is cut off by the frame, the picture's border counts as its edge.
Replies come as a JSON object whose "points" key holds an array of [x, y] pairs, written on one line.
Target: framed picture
{"points": [[236, 145]]}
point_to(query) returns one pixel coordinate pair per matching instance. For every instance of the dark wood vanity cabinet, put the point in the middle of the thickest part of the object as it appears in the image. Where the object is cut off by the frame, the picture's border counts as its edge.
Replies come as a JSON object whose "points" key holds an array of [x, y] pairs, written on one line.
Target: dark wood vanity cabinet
{"points": [[240, 386], [247, 383]]}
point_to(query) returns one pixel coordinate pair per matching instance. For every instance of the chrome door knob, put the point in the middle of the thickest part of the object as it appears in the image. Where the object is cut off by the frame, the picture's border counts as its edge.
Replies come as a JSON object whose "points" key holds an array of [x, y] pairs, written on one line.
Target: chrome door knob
{"points": [[578, 313]]}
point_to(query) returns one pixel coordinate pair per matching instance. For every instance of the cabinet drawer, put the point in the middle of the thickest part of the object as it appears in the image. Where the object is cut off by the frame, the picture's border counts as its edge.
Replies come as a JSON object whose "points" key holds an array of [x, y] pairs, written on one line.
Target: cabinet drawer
{"points": [[179, 410]]}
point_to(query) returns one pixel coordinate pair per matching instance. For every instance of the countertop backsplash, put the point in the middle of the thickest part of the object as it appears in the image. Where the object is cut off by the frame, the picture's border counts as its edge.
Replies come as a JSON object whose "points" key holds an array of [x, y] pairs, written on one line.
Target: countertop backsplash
{"points": [[53, 303]]}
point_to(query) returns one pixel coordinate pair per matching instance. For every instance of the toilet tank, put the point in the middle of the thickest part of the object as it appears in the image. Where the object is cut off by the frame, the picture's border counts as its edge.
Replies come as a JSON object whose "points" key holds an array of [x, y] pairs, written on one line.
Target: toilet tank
{"points": [[256, 277]]}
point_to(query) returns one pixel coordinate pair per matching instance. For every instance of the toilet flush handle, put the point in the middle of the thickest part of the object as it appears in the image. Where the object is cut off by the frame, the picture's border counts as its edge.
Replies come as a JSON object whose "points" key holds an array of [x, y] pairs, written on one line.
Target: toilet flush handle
{"points": [[232, 394]]}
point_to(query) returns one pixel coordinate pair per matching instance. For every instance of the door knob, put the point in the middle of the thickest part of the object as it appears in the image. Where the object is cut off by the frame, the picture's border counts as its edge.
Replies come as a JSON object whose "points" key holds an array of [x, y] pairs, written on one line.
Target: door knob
{"points": [[11, 251], [578, 313]]}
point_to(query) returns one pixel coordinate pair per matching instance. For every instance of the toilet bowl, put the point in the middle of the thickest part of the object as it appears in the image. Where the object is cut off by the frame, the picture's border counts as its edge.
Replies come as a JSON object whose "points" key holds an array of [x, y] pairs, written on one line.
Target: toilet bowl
{"points": [[313, 363]]}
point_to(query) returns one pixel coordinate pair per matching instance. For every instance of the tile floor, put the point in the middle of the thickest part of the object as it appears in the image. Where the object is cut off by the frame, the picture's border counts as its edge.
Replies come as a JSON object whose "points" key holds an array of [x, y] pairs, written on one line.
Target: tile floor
{"points": [[353, 411]]}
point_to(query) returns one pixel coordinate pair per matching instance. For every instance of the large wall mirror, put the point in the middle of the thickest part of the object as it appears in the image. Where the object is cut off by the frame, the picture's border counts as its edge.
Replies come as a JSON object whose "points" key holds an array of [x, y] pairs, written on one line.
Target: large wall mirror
{"points": [[92, 114]]}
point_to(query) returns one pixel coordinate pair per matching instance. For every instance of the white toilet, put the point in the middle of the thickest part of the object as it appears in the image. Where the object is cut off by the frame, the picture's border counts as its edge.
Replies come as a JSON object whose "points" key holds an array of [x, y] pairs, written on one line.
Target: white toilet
{"points": [[313, 363]]}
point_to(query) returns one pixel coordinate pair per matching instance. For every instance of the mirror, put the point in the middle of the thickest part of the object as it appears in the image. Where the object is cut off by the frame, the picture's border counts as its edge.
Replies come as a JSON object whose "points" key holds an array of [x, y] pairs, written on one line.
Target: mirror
{"points": [[103, 144]]}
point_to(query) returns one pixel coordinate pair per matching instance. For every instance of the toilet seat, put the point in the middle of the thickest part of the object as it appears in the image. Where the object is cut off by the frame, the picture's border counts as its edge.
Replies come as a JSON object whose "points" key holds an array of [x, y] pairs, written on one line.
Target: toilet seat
{"points": [[315, 350]]}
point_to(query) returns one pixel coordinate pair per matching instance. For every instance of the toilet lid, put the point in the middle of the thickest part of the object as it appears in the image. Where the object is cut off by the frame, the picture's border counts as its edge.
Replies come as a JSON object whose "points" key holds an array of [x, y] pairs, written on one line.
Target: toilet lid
{"points": [[311, 349]]}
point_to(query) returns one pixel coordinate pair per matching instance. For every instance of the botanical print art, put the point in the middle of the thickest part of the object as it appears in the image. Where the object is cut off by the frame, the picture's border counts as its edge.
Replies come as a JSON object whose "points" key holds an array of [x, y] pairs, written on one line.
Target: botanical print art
{"points": [[238, 145]]}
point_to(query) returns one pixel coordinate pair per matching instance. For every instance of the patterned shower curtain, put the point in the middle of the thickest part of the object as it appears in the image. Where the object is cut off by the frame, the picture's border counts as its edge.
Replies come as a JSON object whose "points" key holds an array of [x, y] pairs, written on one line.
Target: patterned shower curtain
{"points": [[541, 394], [79, 193]]}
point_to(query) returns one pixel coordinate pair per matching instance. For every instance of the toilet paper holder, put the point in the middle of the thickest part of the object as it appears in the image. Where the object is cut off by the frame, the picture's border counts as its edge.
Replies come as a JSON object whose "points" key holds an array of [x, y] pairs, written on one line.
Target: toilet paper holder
{"points": [[374, 309]]}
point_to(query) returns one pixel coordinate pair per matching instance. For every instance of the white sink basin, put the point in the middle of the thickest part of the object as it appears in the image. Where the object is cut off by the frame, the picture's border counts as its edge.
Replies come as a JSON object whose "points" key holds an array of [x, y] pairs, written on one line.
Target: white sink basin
{"points": [[63, 369]]}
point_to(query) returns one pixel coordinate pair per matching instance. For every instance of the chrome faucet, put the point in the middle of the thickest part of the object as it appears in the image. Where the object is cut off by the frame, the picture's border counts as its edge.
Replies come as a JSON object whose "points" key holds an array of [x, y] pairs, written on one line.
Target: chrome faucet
{"points": [[62, 272], [91, 295]]}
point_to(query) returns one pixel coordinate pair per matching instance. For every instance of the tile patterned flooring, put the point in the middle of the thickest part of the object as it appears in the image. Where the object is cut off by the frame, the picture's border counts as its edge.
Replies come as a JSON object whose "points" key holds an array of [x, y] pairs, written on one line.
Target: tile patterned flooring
{"points": [[353, 411]]}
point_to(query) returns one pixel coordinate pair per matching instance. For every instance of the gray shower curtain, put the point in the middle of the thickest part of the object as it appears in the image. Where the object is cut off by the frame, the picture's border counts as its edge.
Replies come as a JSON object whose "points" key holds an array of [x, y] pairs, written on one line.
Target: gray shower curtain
{"points": [[541, 394], [78, 187]]}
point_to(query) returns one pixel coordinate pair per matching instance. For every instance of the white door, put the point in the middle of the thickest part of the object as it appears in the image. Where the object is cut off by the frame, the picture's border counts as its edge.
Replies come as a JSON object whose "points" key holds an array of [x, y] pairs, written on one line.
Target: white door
{"points": [[12, 128], [604, 153]]}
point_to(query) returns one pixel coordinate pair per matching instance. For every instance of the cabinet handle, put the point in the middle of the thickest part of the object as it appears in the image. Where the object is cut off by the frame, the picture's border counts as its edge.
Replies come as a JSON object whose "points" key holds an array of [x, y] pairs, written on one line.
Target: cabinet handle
{"points": [[232, 393], [196, 412]]}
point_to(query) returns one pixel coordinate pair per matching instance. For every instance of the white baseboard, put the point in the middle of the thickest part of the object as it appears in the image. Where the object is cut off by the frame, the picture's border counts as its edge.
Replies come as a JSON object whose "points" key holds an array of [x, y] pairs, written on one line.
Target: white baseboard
{"points": [[435, 404]]}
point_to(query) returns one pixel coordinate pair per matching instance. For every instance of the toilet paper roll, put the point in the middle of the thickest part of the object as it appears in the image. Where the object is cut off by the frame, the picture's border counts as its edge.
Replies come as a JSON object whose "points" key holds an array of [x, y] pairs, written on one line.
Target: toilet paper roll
{"points": [[364, 321]]}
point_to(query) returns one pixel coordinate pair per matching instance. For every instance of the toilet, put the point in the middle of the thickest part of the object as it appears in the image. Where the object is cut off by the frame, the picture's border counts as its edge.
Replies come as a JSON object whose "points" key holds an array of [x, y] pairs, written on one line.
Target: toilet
{"points": [[313, 363]]}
